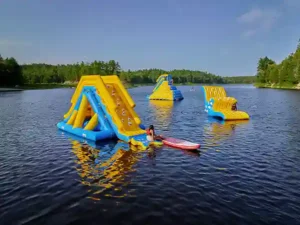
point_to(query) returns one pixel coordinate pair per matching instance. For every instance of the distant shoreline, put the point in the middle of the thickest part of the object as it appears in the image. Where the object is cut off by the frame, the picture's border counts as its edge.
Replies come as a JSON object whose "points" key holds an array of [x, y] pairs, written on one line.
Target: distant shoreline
{"points": [[10, 89], [129, 86], [278, 86], [55, 86], [74, 85]]}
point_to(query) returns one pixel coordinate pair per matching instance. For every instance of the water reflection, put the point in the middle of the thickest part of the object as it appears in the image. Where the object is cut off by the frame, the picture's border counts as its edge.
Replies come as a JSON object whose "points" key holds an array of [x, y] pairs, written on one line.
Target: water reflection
{"points": [[162, 111], [152, 151], [216, 131], [104, 167], [193, 153]]}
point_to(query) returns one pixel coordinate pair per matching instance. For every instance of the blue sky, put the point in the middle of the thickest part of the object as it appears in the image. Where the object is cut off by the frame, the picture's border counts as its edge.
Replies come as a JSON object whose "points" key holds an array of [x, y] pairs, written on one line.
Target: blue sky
{"points": [[218, 36]]}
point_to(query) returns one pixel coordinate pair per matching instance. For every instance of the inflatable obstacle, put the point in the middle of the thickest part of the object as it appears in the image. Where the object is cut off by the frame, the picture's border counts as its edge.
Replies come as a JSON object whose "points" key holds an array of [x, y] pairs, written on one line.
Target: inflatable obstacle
{"points": [[217, 104], [101, 108], [164, 89]]}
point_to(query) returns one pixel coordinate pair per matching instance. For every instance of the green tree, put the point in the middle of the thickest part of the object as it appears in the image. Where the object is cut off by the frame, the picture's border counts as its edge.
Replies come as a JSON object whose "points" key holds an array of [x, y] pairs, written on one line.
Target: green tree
{"points": [[286, 72], [10, 72], [273, 75], [262, 69], [37, 73]]}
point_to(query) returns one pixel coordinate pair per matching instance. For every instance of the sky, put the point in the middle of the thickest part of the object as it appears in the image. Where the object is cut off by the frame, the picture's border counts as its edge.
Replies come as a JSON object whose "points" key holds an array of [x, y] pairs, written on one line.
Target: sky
{"points": [[222, 37]]}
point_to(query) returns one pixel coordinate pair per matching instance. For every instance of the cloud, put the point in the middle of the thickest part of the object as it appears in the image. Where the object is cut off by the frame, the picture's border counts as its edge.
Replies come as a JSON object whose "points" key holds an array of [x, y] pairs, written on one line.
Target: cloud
{"points": [[251, 16], [256, 20], [13, 43]]}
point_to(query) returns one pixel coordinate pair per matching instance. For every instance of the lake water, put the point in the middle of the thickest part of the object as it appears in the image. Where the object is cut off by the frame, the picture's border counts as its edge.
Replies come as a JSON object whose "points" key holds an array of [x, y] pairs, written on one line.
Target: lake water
{"points": [[245, 172]]}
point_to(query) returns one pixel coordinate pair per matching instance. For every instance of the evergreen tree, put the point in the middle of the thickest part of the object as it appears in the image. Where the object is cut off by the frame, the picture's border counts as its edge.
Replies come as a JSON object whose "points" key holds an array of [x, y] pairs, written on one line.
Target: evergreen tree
{"points": [[286, 72]]}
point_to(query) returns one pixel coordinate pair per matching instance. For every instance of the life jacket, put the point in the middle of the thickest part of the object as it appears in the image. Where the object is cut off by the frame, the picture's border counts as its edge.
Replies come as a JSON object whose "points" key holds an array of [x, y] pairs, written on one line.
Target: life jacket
{"points": [[148, 131]]}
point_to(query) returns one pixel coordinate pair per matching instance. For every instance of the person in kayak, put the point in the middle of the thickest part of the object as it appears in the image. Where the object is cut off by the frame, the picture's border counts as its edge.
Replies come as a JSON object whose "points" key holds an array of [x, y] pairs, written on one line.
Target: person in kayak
{"points": [[151, 134]]}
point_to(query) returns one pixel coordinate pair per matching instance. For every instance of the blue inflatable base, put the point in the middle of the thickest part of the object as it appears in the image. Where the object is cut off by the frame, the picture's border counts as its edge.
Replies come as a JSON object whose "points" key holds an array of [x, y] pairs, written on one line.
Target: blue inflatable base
{"points": [[216, 119], [217, 115], [87, 134], [178, 99]]}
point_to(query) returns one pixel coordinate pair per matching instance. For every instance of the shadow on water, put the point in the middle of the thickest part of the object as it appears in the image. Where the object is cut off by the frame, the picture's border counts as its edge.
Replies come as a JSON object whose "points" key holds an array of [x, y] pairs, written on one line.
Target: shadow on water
{"points": [[194, 153], [106, 167], [216, 131], [152, 152]]}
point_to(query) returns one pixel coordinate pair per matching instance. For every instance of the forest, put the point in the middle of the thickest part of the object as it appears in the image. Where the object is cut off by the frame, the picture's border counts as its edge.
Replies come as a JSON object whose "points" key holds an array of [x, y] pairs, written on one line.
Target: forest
{"points": [[285, 74], [11, 73]]}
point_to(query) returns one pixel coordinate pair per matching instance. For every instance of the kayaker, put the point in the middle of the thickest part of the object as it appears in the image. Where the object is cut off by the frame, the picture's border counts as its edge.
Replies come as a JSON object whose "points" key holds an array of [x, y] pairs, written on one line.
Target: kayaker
{"points": [[151, 134]]}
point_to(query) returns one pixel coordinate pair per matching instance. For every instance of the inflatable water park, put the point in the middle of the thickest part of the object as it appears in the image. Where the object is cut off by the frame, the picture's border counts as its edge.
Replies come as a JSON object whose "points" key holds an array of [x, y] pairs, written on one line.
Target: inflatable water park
{"points": [[219, 105], [165, 90], [101, 109]]}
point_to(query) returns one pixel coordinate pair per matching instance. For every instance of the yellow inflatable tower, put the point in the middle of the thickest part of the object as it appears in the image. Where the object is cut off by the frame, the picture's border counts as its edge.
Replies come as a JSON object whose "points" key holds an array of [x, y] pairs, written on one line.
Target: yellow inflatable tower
{"points": [[217, 104], [103, 109], [164, 89]]}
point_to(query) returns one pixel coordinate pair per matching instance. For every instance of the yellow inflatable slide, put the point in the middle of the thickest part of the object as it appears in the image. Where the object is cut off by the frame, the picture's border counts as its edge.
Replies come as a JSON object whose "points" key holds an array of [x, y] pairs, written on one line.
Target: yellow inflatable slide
{"points": [[217, 104], [101, 108], [165, 90]]}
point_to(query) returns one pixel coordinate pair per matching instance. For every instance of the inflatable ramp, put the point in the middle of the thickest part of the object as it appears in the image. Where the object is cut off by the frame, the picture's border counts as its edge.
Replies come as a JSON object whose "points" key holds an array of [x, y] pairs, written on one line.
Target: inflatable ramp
{"points": [[164, 89], [217, 104], [103, 109]]}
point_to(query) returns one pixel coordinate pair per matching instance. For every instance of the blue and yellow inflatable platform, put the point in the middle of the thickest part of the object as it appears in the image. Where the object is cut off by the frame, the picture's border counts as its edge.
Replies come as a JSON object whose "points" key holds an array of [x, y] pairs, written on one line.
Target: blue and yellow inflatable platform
{"points": [[164, 89], [218, 105], [101, 108]]}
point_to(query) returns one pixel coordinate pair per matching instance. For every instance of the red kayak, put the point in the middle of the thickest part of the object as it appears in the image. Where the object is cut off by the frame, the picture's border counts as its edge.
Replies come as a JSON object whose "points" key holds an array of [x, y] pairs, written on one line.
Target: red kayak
{"points": [[182, 144]]}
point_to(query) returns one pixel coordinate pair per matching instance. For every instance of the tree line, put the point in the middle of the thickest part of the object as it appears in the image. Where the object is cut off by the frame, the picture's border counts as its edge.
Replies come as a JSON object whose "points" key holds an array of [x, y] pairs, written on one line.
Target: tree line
{"points": [[286, 73], [11, 73]]}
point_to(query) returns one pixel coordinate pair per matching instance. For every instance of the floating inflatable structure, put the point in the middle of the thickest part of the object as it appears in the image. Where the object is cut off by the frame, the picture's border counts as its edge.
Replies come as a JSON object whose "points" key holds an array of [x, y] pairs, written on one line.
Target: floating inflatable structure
{"points": [[164, 89], [101, 108], [218, 105]]}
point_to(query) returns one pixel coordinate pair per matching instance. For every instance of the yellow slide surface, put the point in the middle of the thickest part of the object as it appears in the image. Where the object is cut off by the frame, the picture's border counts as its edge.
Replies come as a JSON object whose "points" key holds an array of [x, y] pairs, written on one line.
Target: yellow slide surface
{"points": [[164, 89], [121, 108]]}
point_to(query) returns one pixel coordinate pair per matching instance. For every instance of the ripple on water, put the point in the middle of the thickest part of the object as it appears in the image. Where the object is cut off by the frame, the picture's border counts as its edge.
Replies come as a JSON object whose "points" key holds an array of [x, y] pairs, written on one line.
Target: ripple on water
{"points": [[245, 173]]}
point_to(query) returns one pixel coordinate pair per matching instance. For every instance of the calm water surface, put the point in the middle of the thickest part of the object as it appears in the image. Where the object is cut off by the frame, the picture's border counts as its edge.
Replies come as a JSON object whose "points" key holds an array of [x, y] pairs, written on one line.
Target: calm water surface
{"points": [[245, 173]]}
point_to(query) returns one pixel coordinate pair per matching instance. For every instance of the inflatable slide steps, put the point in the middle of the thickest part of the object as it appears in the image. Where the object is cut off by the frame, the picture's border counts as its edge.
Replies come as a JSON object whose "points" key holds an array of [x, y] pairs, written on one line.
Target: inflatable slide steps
{"points": [[217, 104]]}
